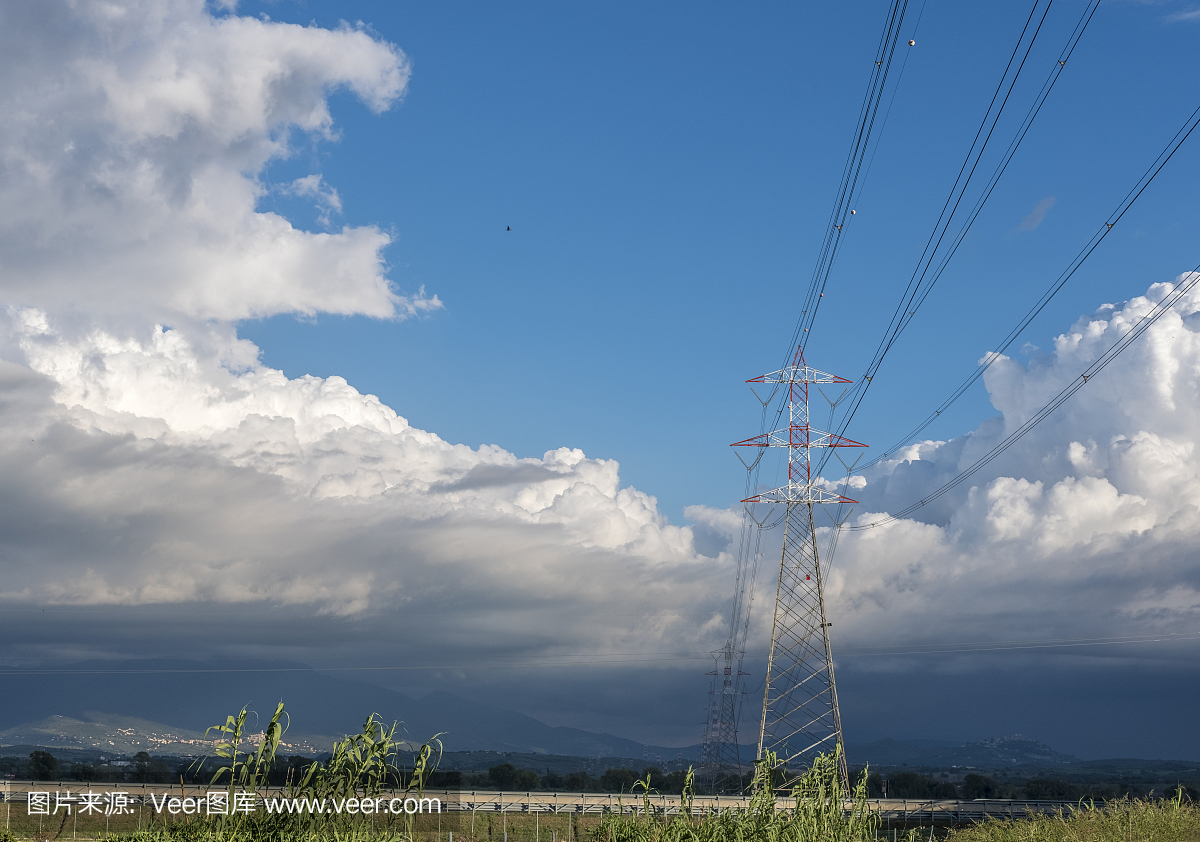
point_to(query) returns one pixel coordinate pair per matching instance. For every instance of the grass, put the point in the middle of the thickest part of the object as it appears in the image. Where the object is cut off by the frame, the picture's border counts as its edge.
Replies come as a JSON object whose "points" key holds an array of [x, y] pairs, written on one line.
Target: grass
{"points": [[1173, 820]]}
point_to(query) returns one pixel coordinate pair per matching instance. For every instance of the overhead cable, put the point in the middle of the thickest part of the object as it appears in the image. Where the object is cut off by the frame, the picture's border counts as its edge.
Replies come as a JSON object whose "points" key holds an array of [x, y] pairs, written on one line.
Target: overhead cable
{"points": [[749, 541], [843, 205], [926, 274], [1141, 326], [1105, 227], [1168, 637]]}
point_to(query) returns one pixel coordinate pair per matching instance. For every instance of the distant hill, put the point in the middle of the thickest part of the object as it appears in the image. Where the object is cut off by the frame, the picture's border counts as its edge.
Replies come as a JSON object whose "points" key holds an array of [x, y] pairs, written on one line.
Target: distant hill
{"points": [[191, 695], [118, 735], [998, 753], [481, 761]]}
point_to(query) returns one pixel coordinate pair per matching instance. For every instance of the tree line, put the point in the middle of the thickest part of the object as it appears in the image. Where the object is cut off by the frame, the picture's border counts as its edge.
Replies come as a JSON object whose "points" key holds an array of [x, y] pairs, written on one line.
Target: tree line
{"points": [[44, 766], [143, 768], [973, 786], [508, 778]]}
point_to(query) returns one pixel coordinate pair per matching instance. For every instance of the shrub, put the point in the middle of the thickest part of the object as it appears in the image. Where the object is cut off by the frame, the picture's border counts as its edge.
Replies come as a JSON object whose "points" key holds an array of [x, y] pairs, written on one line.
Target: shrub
{"points": [[617, 780], [43, 766], [1049, 789], [980, 786]]}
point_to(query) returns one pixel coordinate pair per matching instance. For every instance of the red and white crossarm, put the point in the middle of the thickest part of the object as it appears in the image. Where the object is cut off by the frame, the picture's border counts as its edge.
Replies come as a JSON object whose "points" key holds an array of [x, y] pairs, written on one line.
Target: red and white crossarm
{"points": [[798, 437]]}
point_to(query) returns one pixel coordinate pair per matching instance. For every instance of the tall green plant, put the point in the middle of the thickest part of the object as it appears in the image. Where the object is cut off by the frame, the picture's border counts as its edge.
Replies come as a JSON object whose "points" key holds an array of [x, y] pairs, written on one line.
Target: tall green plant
{"points": [[361, 764], [646, 790], [688, 795], [821, 801], [247, 770], [822, 811], [425, 764]]}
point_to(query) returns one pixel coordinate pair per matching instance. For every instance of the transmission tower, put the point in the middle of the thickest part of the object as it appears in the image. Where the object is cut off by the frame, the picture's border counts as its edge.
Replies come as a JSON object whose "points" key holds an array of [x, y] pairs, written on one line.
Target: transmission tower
{"points": [[720, 756], [800, 716]]}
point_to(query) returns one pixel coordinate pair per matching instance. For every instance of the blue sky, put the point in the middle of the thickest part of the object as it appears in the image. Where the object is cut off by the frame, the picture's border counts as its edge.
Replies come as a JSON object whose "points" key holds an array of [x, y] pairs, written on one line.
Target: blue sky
{"points": [[667, 174]]}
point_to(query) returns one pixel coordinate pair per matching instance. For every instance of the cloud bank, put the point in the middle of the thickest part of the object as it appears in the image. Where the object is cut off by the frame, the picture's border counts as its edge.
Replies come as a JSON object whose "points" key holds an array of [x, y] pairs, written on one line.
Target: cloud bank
{"points": [[281, 456], [154, 465], [1086, 528]]}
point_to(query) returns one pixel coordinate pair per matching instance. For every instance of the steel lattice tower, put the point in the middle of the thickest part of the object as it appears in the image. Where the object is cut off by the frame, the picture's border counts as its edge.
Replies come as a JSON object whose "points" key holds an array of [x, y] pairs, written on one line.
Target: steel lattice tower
{"points": [[720, 760], [800, 717]]}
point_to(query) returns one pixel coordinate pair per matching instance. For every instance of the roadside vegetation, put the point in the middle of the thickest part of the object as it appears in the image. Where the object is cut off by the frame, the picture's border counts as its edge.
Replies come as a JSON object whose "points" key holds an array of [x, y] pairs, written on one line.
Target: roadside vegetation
{"points": [[820, 811], [1164, 820]]}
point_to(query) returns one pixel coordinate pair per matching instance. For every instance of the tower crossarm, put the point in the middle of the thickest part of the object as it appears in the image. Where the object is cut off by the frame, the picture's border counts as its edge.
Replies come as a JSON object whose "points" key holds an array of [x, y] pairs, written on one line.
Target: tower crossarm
{"points": [[799, 374], [798, 435], [810, 494]]}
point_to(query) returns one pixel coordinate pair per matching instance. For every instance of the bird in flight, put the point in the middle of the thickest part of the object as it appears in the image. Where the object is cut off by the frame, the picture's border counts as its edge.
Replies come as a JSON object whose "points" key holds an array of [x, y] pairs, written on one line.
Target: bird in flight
{"points": [[508, 228]]}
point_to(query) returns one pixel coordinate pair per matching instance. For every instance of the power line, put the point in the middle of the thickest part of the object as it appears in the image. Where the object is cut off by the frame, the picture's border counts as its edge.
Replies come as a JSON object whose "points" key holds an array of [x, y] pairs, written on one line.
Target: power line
{"points": [[959, 188], [751, 527], [917, 289], [926, 275], [1163, 638], [1141, 326], [1105, 227], [946, 648], [843, 209], [591, 664], [1016, 645], [750, 532]]}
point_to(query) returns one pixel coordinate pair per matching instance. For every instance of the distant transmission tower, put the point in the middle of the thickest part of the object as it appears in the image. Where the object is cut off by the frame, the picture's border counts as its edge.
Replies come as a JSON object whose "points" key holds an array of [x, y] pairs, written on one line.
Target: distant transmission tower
{"points": [[800, 717], [720, 760]]}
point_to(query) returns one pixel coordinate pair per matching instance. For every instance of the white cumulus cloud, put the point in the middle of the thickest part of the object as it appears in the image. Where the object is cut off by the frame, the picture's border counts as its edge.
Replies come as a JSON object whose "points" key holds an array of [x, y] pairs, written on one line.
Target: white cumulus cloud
{"points": [[1086, 527], [132, 151]]}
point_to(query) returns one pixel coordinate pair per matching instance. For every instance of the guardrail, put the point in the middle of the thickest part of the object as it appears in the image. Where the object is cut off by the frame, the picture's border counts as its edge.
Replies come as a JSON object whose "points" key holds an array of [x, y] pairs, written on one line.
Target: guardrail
{"points": [[907, 812]]}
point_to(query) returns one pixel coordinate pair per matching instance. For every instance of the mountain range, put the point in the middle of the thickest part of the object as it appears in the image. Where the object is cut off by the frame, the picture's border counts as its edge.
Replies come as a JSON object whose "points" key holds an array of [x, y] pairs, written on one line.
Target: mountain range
{"points": [[164, 707], [996, 753], [91, 702]]}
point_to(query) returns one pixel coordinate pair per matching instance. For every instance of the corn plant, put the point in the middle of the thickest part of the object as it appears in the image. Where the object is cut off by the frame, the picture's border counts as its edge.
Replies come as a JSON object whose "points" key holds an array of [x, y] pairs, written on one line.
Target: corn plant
{"points": [[424, 764], [820, 798], [360, 765], [646, 790], [251, 772], [688, 795]]}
